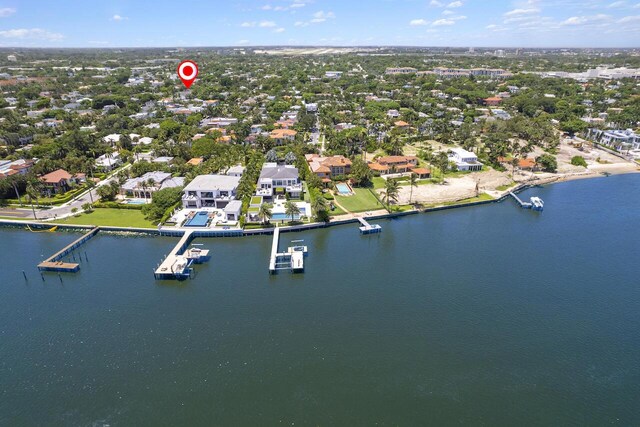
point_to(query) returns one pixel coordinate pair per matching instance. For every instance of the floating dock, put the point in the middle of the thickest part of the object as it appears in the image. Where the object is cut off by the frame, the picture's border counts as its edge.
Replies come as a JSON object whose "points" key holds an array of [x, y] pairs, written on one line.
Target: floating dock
{"points": [[292, 260], [367, 228], [177, 265], [54, 263], [537, 204]]}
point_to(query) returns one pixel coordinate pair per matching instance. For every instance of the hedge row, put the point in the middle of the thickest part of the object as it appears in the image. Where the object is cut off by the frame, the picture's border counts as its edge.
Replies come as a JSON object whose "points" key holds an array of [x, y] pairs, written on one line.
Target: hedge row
{"points": [[116, 205]]}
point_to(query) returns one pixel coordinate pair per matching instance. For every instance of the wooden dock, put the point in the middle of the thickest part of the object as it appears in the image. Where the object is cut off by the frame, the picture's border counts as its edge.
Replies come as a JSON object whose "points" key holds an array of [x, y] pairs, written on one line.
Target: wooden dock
{"points": [[367, 228], [54, 263]]}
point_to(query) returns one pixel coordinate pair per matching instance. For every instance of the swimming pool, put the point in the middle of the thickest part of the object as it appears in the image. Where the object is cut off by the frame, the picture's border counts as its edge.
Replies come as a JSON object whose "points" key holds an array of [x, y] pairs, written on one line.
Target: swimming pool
{"points": [[135, 202], [283, 216], [199, 220], [343, 188]]}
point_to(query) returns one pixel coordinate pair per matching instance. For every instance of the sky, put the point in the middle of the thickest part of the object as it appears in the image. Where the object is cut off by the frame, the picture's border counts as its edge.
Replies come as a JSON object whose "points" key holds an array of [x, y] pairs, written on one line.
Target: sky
{"points": [[455, 23]]}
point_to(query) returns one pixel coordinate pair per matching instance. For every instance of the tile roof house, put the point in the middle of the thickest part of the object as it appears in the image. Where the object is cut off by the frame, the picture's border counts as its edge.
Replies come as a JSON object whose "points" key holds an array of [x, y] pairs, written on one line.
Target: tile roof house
{"points": [[282, 136], [328, 167], [393, 164], [57, 181]]}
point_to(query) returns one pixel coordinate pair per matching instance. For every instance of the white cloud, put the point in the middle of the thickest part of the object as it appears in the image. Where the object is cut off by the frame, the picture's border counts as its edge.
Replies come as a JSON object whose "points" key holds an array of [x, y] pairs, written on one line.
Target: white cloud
{"points": [[267, 24], [322, 16], [441, 22], [279, 30], [416, 22], [248, 24], [628, 19], [617, 4], [491, 27], [31, 34], [435, 3], [447, 12], [300, 24], [242, 42], [6, 11], [267, 7], [636, 6], [518, 12], [296, 5], [575, 20], [118, 18], [454, 4]]}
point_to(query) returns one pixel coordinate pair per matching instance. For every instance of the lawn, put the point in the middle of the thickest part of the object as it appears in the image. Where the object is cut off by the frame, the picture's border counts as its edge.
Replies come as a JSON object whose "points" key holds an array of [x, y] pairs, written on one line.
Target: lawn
{"points": [[361, 201], [113, 217], [480, 198]]}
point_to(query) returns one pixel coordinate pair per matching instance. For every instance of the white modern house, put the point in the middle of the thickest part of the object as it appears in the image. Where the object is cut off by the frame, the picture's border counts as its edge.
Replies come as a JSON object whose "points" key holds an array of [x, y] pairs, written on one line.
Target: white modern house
{"points": [[215, 191], [144, 186], [109, 161], [276, 178], [465, 160], [620, 139]]}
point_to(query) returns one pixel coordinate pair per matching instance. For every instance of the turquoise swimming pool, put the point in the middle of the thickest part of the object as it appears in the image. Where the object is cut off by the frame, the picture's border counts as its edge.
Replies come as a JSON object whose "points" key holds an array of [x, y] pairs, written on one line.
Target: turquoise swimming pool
{"points": [[343, 188], [201, 219]]}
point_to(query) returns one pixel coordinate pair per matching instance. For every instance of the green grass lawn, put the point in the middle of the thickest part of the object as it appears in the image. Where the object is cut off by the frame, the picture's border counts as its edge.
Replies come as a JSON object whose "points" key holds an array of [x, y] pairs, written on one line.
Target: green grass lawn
{"points": [[480, 198], [361, 201], [256, 200], [113, 217], [504, 187]]}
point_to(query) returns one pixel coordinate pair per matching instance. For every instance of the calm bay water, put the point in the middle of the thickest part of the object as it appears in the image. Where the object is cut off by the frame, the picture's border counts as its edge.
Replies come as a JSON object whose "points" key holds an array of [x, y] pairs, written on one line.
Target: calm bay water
{"points": [[490, 315]]}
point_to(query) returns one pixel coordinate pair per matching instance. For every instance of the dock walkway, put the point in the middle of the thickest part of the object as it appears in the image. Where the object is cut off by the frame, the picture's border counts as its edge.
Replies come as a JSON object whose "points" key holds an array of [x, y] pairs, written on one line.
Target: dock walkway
{"points": [[175, 265], [524, 205], [54, 263], [292, 260], [369, 228]]}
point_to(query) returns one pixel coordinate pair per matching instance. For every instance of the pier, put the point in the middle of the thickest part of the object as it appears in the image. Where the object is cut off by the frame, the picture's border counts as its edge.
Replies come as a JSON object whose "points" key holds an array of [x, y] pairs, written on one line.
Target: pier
{"points": [[537, 204], [54, 263], [292, 260], [367, 228], [177, 265]]}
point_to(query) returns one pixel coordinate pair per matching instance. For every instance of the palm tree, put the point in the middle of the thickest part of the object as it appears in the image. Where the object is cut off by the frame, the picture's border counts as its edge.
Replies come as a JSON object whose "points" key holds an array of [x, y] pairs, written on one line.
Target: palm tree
{"points": [[291, 209], [32, 194], [264, 213], [391, 191], [319, 207], [151, 183], [15, 188], [442, 163], [413, 182]]}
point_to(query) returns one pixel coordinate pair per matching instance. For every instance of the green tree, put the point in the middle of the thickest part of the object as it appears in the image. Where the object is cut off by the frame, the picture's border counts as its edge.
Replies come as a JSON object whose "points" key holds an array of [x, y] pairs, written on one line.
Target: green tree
{"points": [[320, 208], [578, 161], [547, 162], [361, 174], [413, 182], [391, 191], [264, 213], [441, 161], [291, 209], [161, 202]]}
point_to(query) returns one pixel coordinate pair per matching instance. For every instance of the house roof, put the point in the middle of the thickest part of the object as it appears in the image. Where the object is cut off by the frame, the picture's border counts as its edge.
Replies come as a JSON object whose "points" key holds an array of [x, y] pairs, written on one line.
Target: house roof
{"points": [[421, 171], [274, 171], [195, 161], [281, 133], [401, 123], [213, 182], [378, 167], [396, 159], [55, 176]]}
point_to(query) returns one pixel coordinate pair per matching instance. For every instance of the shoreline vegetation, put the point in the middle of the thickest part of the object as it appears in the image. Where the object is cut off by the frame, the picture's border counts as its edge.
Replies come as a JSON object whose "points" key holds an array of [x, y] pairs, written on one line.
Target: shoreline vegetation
{"points": [[115, 218]]}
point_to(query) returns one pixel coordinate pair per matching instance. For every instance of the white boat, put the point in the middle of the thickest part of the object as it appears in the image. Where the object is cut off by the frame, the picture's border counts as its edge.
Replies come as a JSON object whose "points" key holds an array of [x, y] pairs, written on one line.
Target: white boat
{"points": [[537, 204]]}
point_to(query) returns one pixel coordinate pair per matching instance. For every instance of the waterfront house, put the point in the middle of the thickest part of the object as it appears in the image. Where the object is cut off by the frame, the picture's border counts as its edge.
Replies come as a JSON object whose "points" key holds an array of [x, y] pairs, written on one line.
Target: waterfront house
{"points": [[393, 164], [619, 139], [327, 168], [210, 191], [58, 181], [276, 179], [465, 160], [144, 186]]}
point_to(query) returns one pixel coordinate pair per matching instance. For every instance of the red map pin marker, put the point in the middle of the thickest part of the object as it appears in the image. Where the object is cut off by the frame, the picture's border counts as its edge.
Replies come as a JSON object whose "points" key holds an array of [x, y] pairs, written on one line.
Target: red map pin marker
{"points": [[187, 71]]}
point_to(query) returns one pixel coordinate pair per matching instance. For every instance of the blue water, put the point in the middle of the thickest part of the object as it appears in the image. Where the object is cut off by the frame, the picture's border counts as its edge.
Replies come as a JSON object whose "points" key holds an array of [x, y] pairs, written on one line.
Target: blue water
{"points": [[343, 188], [490, 315], [135, 202], [200, 219]]}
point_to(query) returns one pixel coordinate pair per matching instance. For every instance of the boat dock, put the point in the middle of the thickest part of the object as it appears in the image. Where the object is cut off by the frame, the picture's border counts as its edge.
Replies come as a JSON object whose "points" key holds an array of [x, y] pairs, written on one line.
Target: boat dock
{"points": [[177, 265], [367, 228], [537, 204], [54, 263], [292, 260]]}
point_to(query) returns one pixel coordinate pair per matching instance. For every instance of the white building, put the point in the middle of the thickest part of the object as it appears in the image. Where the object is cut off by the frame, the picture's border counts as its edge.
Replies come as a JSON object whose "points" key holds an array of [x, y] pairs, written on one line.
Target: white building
{"points": [[465, 160], [109, 161], [210, 191], [144, 186], [276, 178], [618, 139], [333, 74]]}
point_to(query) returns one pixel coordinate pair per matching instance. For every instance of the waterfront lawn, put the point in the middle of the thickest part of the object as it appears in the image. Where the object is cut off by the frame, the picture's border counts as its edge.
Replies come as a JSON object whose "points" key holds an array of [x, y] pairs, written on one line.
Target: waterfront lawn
{"points": [[481, 198], [336, 211], [112, 217], [361, 201]]}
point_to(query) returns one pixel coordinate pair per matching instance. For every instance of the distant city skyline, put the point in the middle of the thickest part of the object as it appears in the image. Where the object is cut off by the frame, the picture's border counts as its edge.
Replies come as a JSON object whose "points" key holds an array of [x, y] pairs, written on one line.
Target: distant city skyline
{"points": [[455, 23]]}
